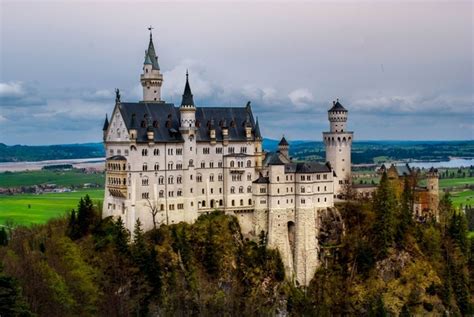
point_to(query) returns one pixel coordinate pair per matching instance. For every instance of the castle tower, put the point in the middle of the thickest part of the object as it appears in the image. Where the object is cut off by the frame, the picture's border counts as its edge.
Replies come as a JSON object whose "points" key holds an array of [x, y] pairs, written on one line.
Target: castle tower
{"points": [[151, 78], [283, 148], [258, 146], [338, 143], [187, 128], [433, 191]]}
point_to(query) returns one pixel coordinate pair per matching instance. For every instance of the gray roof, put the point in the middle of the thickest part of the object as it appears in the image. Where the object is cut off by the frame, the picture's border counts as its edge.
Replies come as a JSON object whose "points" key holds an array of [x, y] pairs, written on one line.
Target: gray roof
{"points": [[257, 133], [165, 118], [273, 158], [262, 180], [336, 106], [307, 168], [403, 170], [106, 123], [152, 54], [283, 142], [117, 158], [187, 94]]}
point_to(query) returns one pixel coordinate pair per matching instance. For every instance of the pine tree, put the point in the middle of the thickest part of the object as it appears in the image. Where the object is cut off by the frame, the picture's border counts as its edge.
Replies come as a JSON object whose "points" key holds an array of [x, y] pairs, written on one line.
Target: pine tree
{"points": [[3, 236], [384, 206], [85, 215], [121, 237], [139, 247], [406, 213]]}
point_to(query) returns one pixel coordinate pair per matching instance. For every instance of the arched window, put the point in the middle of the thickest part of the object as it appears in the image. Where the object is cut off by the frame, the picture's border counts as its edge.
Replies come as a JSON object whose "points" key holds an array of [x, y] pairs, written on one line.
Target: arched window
{"points": [[180, 192], [170, 165], [161, 180], [232, 164], [249, 189], [249, 163], [157, 167], [241, 189], [233, 202], [179, 180], [170, 180], [250, 201], [145, 167], [191, 163], [144, 152], [161, 194], [203, 164], [241, 202], [232, 190]]}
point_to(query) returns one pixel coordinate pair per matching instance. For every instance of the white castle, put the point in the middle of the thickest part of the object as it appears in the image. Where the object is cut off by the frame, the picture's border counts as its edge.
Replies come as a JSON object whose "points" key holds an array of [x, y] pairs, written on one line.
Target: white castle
{"points": [[168, 164]]}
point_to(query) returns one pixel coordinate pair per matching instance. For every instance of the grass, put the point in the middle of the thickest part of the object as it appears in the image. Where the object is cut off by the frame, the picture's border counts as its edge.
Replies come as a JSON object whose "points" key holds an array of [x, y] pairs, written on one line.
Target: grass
{"points": [[67, 178], [455, 182], [463, 198], [42, 207]]}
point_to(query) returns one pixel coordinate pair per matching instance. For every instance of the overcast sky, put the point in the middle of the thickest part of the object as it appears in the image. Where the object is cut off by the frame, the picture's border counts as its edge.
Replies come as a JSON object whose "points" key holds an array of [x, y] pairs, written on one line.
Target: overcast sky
{"points": [[403, 69]]}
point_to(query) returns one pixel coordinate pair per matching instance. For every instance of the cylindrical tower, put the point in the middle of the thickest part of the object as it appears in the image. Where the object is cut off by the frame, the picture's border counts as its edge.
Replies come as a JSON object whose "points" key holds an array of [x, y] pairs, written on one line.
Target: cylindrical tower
{"points": [[433, 190], [338, 143]]}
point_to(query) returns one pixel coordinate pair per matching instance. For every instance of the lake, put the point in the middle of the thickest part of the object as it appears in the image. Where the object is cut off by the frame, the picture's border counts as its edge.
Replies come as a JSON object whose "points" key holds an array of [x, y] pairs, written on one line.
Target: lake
{"points": [[96, 163], [453, 163]]}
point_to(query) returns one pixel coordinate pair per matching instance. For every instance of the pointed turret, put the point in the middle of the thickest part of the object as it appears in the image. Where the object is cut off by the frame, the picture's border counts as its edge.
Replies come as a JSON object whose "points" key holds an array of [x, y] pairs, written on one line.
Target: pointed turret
{"points": [[106, 123], [187, 100], [151, 79], [257, 133], [283, 147], [152, 54]]}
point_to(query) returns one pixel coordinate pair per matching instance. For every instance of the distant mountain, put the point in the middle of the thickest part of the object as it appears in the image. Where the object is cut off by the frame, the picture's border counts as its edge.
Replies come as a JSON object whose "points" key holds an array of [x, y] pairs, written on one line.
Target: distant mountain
{"points": [[22, 153], [362, 151]]}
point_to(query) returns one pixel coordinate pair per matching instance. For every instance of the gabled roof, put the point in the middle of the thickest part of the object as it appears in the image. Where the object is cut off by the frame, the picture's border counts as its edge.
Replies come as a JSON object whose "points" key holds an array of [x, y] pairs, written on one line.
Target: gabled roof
{"points": [[283, 142], [262, 180], [165, 118], [403, 169], [336, 106], [306, 168], [273, 158]]}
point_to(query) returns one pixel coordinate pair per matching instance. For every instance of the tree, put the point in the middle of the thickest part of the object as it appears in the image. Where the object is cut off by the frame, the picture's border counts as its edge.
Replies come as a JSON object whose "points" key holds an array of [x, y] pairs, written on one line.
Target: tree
{"points": [[384, 206], [12, 302], [85, 215], [406, 212], [154, 211], [139, 248], [73, 227], [121, 237], [3, 236]]}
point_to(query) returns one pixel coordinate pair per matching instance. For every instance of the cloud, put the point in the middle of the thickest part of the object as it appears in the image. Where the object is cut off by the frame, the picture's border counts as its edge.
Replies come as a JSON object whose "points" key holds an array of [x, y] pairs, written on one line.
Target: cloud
{"points": [[301, 97], [19, 94], [11, 89], [440, 104]]}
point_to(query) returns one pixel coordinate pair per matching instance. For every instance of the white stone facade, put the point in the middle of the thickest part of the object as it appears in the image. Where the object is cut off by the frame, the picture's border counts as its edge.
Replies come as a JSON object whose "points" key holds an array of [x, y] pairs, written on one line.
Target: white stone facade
{"points": [[222, 168]]}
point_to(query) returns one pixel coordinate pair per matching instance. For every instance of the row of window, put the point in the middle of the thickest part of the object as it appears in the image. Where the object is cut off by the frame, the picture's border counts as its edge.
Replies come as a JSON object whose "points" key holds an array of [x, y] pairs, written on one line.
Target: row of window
{"points": [[179, 166], [119, 152], [241, 189], [115, 167], [116, 181]]}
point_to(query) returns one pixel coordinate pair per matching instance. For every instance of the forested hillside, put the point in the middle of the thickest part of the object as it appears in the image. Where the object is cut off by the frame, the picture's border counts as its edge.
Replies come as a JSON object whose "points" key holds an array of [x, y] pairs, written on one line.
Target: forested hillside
{"points": [[21, 153], [387, 264]]}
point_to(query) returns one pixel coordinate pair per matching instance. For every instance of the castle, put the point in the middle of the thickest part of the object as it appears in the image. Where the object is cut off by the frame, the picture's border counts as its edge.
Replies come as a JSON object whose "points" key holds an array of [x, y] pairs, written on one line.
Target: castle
{"points": [[167, 164]]}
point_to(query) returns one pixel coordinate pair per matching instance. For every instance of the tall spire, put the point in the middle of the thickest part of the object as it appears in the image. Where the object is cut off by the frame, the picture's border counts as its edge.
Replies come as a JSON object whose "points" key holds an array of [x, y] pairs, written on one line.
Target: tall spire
{"points": [[257, 133], [151, 52], [187, 95], [106, 123]]}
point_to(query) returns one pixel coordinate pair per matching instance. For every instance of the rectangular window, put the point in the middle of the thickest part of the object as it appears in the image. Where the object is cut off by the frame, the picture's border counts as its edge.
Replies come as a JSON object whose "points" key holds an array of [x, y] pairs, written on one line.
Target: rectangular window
{"points": [[180, 206]]}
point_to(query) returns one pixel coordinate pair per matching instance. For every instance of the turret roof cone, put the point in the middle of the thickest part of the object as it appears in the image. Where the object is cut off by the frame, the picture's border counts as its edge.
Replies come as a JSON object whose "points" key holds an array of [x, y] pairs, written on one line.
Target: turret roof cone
{"points": [[187, 95]]}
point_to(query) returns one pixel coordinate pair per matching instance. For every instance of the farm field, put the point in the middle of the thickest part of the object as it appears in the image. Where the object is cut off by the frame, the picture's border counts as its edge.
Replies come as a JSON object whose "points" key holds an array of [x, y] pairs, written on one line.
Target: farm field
{"points": [[463, 198], [61, 178], [42, 207]]}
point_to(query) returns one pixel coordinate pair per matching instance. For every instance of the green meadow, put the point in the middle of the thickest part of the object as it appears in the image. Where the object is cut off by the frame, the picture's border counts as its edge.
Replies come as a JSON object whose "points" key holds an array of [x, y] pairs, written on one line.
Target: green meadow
{"points": [[27, 209], [72, 177]]}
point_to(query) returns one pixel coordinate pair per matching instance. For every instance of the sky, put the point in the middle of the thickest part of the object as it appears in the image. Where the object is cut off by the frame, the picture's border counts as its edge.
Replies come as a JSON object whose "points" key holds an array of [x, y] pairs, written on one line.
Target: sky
{"points": [[403, 69]]}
